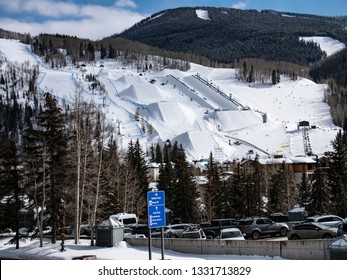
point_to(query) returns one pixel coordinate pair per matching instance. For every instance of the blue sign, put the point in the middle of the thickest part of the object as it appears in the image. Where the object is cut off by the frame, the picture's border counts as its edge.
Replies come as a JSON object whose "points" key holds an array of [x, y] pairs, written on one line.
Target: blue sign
{"points": [[156, 209]]}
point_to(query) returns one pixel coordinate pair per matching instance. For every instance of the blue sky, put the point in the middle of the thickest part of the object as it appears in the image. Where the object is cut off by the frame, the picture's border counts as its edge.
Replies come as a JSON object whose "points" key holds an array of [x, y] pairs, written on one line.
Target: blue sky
{"points": [[96, 19]]}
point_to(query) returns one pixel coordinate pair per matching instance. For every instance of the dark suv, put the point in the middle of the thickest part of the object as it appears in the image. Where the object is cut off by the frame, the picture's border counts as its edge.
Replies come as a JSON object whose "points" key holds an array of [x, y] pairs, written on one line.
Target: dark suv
{"points": [[213, 228], [256, 227]]}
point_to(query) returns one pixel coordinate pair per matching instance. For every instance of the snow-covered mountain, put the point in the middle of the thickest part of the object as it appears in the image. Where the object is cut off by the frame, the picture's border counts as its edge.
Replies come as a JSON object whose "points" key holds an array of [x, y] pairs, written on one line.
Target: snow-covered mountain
{"points": [[204, 109]]}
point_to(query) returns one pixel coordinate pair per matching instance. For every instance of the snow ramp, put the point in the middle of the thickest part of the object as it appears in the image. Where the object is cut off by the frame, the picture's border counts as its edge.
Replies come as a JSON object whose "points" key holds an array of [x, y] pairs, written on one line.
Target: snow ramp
{"points": [[233, 120], [198, 144], [124, 82], [144, 94], [171, 113]]}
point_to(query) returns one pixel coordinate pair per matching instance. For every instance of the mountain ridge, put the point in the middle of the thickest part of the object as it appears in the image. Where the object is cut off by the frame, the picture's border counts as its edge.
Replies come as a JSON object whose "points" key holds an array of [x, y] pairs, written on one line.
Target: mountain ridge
{"points": [[232, 34]]}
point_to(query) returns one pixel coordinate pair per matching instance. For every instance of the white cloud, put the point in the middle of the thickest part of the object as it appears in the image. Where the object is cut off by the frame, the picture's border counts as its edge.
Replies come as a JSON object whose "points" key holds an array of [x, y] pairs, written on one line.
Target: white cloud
{"points": [[47, 8], [240, 5], [85, 21], [125, 3]]}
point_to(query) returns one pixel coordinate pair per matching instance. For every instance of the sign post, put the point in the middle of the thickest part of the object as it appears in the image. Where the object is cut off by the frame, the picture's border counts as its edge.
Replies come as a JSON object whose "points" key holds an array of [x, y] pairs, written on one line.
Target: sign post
{"points": [[156, 216]]}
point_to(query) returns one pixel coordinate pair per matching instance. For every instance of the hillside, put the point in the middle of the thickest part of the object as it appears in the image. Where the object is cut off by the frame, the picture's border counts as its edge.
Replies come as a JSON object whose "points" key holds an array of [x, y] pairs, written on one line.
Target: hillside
{"points": [[333, 71], [204, 109], [225, 35]]}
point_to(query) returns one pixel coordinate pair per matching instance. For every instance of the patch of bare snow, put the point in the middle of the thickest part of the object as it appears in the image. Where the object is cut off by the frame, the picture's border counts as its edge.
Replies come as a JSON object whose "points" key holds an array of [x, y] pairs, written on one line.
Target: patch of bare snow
{"points": [[327, 44], [203, 14]]}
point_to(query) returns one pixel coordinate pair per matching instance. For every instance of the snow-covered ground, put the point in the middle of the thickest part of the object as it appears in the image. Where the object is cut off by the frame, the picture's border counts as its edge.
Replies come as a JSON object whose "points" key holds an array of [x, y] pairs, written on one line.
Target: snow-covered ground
{"points": [[204, 109], [126, 262], [31, 250]]}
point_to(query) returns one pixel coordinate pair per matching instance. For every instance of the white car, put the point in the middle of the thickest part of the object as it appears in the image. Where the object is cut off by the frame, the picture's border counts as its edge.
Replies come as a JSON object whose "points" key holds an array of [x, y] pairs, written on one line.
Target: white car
{"points": [[176, 230], [327, 220], [194, 232], [231, 234]]}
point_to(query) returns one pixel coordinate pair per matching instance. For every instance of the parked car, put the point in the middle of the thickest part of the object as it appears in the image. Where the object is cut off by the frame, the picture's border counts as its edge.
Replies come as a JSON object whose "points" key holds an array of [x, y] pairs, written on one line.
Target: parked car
{"points": [[175, 230], [257, 227], [342, 228], [213, 228], [24, 231], [194, 232], [125, 218], [128, 231], [131, 235], [156, 233], [139, 229], [279, 218], [311, 231], [328, 220], [6, 231], [231, 234]]}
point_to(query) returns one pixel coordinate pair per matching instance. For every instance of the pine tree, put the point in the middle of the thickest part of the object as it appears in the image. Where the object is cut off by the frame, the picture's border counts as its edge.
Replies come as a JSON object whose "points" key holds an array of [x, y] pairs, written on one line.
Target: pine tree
{"points": [[277, 191], [251, 78], [223, 200], [102, 51], [136, 161], [305, 190], [185, 193], [11, 162], [158, 154], [112, 176], [10, 185], [236, 195], [99, 138], [53, 129], [211, 189], [273, 77], [36, 174], [337, 175], [244, 72], [167, 176], [174, 151], [320, 194], [257, 188], [152, 153]]}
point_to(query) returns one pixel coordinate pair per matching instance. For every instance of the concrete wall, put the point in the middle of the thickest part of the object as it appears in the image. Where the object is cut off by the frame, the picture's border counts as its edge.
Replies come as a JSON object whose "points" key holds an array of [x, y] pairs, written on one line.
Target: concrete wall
{"points": [[294, 249]]}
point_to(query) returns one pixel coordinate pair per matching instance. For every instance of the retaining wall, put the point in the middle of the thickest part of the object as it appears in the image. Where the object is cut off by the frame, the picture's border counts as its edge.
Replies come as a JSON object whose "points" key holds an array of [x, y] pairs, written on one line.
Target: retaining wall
{"points": [[294, 249]]}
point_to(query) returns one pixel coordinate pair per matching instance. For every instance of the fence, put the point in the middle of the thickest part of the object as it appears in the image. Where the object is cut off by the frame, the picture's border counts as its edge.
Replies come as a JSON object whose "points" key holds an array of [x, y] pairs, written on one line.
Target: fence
{"points": [[294, 249]]}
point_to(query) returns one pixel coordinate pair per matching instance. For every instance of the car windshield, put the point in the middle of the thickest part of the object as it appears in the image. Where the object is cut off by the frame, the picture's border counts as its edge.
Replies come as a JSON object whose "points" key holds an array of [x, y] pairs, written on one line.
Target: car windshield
{"points": [[191, 235], [248, 222], [230, 234], [128, 221]]}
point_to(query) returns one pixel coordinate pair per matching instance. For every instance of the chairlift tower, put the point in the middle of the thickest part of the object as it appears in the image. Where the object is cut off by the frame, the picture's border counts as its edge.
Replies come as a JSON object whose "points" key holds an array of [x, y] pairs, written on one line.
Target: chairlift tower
{"points": [[306, 141]]}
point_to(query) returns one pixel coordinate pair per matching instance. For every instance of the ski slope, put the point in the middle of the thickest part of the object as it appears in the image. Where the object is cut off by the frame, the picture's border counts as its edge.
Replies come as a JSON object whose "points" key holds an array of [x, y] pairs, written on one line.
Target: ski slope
{"points": [[204, 109]]}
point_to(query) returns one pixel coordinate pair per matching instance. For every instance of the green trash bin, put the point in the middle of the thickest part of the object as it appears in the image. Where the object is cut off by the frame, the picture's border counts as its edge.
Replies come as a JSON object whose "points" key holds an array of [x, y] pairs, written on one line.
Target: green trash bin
{"points": [[109, 233], [338, 249]]}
